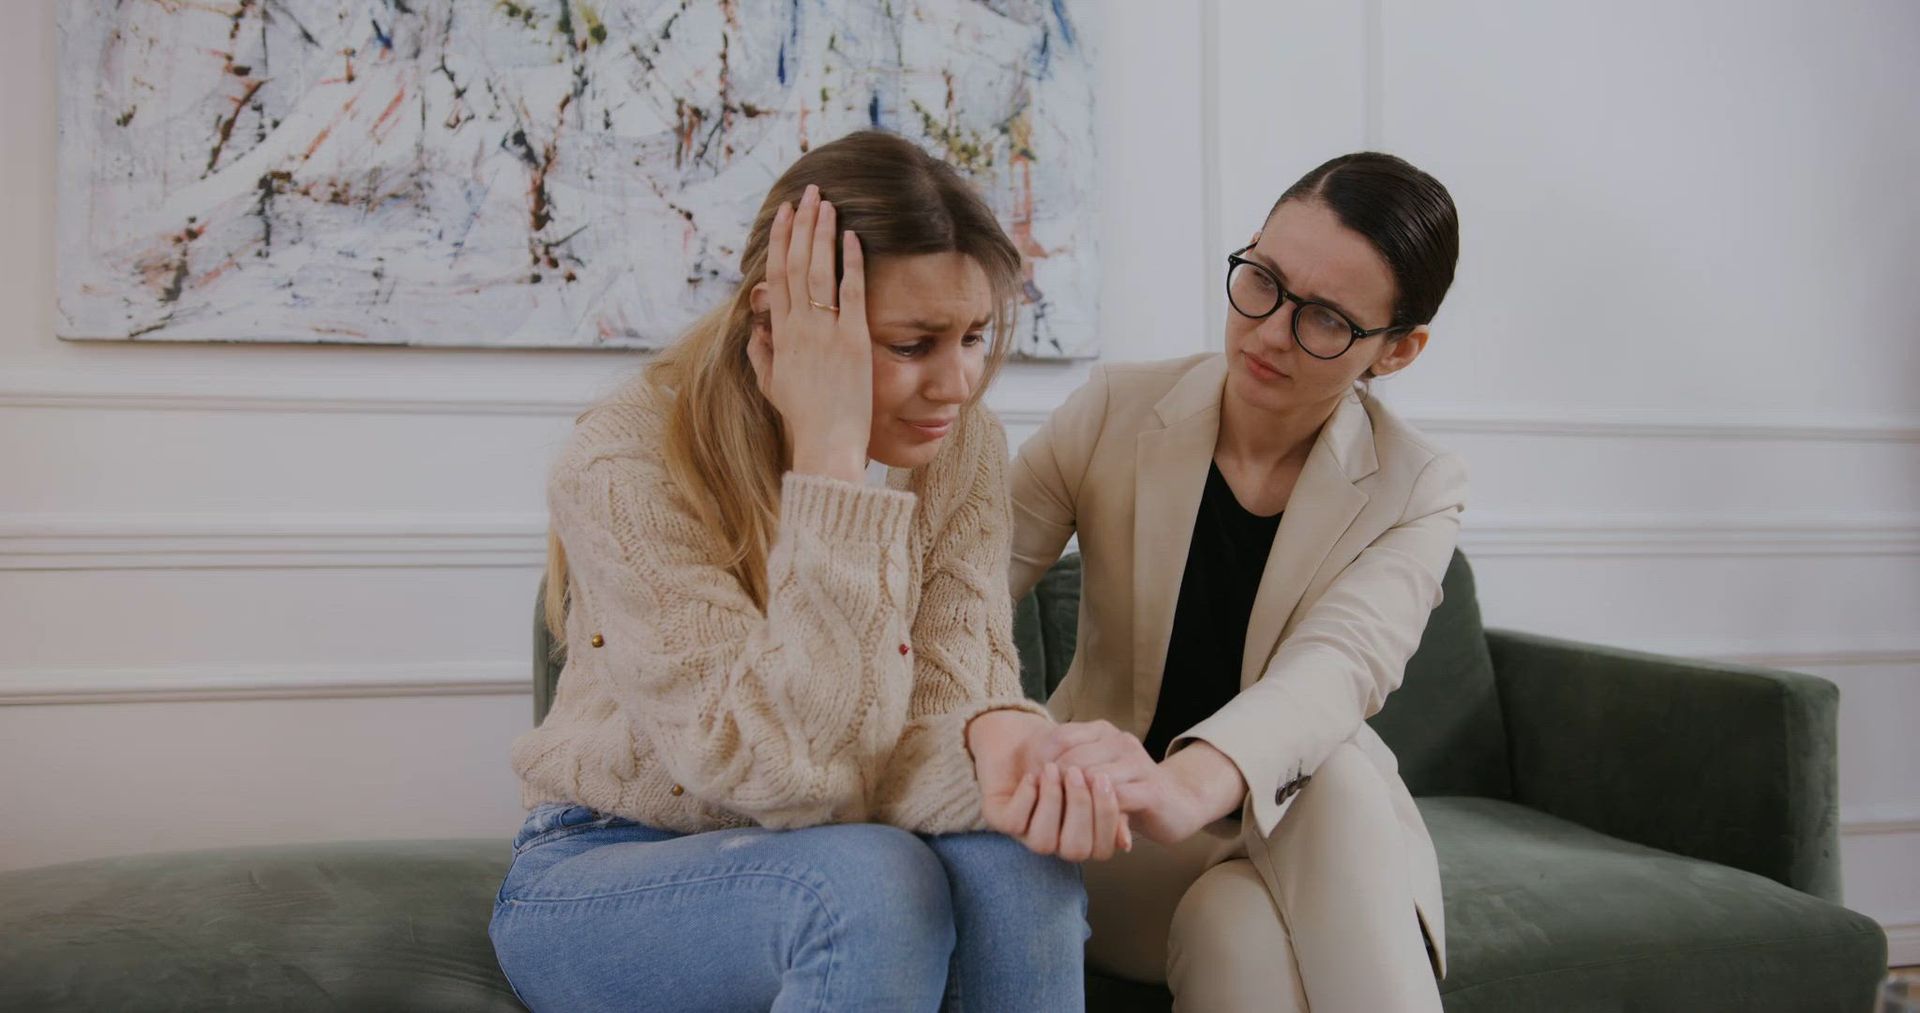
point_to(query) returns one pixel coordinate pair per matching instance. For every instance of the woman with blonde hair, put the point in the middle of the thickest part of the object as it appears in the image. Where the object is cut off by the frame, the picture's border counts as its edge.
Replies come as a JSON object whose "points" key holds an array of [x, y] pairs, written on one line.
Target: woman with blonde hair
{"points": [[790, 717]]}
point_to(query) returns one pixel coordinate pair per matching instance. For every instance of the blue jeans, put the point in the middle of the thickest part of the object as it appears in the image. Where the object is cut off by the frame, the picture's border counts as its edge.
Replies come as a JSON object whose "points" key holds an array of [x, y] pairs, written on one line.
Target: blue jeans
{"points": [[602, 913]]}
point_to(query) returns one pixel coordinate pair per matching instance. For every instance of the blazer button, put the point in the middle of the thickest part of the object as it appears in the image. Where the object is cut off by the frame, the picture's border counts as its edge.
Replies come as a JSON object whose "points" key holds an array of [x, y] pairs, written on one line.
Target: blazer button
{"points": [[677, 790], [599, 641]]}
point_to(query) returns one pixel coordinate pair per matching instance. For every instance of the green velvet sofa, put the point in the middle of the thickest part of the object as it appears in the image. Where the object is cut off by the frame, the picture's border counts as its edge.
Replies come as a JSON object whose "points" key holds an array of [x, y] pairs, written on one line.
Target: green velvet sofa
{"points": [[1616, 831]]}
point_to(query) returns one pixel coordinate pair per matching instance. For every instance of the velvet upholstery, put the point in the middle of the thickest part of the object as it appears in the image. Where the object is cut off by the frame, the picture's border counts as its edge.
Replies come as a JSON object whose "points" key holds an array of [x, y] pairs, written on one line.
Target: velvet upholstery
{"points": [[1615, 831], [391, 925], [1544, 914], [1721, 762]]}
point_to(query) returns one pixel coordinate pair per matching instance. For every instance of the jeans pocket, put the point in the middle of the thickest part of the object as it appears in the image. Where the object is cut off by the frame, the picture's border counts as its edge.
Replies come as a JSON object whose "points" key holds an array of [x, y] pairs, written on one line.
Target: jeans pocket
{"points": [[552, 820]]}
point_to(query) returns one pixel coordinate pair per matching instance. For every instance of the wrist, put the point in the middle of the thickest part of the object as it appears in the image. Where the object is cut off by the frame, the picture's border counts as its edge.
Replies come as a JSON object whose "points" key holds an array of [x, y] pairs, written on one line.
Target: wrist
{"points": [[1209, 777], [846, 465], [999, 727]]}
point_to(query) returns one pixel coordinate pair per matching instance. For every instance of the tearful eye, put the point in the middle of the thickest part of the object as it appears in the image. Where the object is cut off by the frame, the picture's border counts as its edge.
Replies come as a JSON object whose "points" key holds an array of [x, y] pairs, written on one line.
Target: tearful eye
{"points": [[909, 351]]}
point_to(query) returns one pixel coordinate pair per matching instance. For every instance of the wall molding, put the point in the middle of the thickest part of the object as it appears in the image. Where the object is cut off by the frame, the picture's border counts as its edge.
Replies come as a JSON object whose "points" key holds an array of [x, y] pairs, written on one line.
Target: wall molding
{"points": [[1667, 424], [1041, 382], [1881, 818], [24, 686], [1493, 535], [30, 388], [270, 541], [1903, 944], [94, 390], [198, 683], [30, 541]]}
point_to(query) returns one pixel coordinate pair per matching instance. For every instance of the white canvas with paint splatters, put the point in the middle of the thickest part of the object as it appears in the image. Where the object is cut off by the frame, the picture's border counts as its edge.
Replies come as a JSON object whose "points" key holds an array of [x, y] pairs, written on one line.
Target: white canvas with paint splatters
{"points": [[549, 173]]}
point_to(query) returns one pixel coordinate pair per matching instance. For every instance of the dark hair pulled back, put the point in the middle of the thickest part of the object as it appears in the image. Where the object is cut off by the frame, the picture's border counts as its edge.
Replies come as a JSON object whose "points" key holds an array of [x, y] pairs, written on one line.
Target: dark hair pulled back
{"points": [[1405, 213]]}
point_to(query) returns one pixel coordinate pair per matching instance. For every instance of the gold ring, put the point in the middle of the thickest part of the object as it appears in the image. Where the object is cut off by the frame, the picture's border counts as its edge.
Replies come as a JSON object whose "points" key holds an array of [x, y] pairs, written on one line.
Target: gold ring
{"points": [[823, 306]]}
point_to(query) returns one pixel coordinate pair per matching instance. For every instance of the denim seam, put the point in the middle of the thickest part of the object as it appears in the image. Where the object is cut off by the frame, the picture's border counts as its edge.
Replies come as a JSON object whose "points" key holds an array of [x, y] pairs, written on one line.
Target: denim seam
{"points": [[511, 987]]}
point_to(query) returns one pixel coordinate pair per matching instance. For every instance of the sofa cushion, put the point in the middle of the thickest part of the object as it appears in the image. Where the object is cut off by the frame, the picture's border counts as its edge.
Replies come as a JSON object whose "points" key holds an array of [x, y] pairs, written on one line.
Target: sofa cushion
{"points": [[1546, 914], [1543, 914], [1045, 624], [360, 926]]}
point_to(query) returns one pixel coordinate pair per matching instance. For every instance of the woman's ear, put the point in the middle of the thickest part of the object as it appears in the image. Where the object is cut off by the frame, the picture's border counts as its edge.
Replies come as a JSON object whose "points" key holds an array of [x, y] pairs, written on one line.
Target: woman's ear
{"points": [[1399, 354], [760, 342]]}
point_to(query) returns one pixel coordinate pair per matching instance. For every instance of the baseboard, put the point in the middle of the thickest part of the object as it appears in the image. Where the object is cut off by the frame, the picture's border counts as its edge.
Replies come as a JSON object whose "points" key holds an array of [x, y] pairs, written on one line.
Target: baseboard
{"points": [[1903, 945]]}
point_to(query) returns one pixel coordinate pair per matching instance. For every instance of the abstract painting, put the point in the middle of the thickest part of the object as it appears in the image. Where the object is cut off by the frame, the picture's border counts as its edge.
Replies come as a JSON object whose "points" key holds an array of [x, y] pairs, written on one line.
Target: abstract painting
{"points": [[534, 173]]}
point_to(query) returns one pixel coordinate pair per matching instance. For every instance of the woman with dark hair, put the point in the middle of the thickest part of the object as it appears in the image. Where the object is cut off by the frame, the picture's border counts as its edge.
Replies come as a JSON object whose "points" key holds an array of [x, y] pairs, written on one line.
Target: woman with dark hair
{"points": [[1263, 541], [790, 716]]}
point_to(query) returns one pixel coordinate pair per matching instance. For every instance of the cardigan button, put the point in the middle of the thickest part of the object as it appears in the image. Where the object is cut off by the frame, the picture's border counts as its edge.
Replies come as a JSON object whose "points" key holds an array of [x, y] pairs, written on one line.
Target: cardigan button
{"points": [[903, 650], [677, 790], [599, 641]]}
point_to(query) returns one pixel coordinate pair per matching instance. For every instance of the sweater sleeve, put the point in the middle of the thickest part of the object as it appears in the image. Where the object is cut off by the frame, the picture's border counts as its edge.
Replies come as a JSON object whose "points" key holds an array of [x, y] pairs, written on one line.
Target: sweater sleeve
{"points": [[781, 715], [964, 659]]}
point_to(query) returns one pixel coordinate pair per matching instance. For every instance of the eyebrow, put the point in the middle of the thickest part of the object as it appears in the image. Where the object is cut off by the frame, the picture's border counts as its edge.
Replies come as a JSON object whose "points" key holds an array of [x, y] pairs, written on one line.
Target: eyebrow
{"points": [[936, 326], [1261, 258]]}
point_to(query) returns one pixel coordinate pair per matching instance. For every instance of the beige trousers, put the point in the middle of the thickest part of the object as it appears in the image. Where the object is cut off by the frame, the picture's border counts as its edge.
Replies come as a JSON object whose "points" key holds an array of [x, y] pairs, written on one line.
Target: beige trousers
{"points": [[1319, 915]]}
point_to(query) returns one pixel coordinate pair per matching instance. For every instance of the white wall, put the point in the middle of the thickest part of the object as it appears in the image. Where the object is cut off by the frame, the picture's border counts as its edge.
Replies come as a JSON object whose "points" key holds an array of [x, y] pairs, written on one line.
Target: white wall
{"points": [[1681, 351], [254, 593]]}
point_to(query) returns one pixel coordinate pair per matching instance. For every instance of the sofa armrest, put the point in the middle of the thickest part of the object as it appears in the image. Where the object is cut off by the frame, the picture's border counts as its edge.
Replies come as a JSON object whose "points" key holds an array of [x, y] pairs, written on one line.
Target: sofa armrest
{"points": [[1728, 763]]}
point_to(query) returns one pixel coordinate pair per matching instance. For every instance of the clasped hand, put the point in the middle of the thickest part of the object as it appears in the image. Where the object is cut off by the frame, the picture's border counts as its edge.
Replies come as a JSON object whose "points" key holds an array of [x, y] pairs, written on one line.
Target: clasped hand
{"points": [[1077, 790]]}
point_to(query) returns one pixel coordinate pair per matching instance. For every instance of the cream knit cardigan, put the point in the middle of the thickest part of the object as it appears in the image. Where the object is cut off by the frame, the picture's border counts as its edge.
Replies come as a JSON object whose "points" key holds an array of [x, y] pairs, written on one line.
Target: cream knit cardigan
{"points": [[887, 627]]}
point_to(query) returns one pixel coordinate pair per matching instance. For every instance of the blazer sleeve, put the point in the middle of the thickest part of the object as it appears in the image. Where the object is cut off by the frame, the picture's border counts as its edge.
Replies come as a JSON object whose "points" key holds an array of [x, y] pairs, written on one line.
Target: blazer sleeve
{"points": [[779, 715], [1346, 654], [1046, 480]]}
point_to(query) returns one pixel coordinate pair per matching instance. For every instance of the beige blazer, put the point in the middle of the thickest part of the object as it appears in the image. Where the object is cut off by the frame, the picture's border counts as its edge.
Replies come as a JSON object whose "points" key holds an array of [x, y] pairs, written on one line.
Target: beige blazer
{"points": [[1354, 572]]}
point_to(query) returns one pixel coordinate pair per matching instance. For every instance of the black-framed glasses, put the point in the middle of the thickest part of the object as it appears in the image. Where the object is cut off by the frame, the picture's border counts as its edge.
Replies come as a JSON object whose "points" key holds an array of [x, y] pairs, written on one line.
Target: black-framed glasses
{"points": [[1320, 330]]}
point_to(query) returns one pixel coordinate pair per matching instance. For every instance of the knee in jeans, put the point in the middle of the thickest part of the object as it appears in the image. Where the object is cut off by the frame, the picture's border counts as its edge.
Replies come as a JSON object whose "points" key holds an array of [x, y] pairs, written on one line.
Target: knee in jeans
{"points": [[1045, 886], [890, 891]]}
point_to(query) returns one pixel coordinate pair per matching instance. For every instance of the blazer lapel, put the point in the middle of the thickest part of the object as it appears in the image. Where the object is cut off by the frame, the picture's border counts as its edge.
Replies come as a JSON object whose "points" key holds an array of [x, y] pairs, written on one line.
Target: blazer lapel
{"points": [[1170, 474], [1323, 504]]}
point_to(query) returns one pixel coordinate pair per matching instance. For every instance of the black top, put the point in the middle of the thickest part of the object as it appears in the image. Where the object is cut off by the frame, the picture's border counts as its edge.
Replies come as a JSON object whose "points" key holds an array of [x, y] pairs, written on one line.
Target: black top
{"points": [[1224, 563]]}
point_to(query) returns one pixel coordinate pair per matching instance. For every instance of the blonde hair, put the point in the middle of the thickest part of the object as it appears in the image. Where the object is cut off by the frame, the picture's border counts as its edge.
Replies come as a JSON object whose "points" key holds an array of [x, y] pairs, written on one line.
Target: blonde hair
{"points": [[725, 442]]}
